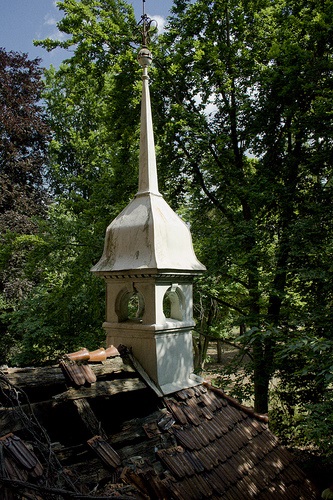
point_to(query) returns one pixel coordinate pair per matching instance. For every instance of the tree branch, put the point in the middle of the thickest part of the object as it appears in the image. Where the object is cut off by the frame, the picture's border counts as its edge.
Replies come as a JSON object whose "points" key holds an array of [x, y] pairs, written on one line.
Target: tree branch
{"points": [[227, 304], [16, 484]]}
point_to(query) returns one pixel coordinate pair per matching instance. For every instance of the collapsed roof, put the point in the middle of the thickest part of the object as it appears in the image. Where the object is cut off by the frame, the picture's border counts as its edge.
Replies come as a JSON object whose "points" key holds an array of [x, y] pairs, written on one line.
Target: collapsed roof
{"points": [[116, 438]]}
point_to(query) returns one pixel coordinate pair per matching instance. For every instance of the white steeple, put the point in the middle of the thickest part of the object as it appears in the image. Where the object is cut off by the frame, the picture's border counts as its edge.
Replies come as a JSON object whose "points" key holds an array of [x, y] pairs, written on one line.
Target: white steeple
{"points": [[147, 235], [147, 172], [148, 255]]}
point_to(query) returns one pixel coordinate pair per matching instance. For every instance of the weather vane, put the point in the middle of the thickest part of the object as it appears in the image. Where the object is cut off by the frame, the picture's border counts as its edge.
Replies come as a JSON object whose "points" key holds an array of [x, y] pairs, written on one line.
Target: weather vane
{"points": [[146, 25]]}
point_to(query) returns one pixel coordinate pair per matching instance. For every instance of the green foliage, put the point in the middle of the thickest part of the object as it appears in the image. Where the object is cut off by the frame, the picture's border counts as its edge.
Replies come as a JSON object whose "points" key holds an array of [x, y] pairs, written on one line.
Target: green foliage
{"points": [[93, 105], [304, 390], [242, 104], [287, 421], [318, 424], [241, 88], [23, 140]]}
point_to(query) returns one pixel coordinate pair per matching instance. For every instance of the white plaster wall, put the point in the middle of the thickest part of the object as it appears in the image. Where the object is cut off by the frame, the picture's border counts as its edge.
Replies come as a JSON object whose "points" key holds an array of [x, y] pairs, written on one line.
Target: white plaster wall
{"points": [[166, 356]]}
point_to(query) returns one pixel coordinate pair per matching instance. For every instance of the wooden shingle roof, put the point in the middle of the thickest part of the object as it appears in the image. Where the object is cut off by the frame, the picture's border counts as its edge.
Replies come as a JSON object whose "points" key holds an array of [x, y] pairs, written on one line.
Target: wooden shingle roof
{"points": [[117, 438]]}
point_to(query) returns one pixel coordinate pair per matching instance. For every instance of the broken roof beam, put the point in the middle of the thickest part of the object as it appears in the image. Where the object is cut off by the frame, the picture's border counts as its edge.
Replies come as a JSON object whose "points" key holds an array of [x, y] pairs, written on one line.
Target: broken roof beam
{"points": [[102, 389], [52, 375], [15, 418], [88, 417]]}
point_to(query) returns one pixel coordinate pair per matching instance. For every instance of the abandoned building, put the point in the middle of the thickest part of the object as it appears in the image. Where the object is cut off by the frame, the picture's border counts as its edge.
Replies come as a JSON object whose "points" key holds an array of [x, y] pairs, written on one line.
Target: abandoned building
{"points": [[134, 421]]}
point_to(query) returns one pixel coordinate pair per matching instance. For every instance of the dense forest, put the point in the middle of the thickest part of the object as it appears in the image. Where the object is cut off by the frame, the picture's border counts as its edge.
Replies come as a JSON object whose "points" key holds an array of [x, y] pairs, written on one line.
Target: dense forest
{"points": [[242, 97]]}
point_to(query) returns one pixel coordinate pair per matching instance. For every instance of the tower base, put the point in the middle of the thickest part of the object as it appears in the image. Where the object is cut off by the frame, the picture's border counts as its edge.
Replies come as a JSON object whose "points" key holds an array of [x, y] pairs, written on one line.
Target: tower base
{"points": [[166, 356]]}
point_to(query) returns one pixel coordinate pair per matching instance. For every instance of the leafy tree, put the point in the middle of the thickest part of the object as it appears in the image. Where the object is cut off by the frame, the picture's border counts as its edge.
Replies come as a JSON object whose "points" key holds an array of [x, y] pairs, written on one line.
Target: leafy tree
{"points": [[242, 101], [23, 140], [93, 102], [23, 144], [246, 91]]}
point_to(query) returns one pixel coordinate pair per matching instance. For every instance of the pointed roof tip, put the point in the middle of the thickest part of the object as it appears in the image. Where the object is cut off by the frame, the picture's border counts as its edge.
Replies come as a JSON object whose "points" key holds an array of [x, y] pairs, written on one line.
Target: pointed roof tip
{"points": [[148, 178]]}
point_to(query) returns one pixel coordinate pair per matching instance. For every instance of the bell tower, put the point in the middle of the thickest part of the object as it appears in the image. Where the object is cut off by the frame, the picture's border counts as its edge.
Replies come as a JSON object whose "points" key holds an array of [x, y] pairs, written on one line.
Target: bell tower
{"points": [[149, 264]]}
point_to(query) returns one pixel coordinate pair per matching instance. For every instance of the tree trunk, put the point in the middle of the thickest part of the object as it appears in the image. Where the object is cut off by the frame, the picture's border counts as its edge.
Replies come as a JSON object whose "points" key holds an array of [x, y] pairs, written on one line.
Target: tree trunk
{"points": [[261, 387], [263, 359], [219, 351], [204, 349]]}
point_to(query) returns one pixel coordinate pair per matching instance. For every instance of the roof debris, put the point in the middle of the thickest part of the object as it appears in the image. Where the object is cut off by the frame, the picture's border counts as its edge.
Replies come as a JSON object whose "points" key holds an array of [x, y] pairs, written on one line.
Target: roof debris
{"points": [[127, 442]]}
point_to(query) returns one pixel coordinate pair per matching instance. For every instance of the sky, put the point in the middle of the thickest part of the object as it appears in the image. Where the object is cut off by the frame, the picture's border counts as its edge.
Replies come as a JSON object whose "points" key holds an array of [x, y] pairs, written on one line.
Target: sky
{"points": [[22, 21]]}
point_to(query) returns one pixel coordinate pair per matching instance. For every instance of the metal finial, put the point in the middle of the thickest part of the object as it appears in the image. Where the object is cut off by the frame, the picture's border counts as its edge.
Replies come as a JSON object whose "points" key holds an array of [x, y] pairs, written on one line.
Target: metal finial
{"points": [[146, 25], [144, 56]]}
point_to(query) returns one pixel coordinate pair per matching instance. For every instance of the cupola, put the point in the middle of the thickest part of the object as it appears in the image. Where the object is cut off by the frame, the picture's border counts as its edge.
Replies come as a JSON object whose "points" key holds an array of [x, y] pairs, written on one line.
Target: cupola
{"points": [[149, 264]]}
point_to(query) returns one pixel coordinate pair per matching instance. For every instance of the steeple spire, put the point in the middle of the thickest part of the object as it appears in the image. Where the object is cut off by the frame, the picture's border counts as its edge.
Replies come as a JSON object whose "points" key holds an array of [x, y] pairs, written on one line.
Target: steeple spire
{"points": [[148, 257], [148, 182]]}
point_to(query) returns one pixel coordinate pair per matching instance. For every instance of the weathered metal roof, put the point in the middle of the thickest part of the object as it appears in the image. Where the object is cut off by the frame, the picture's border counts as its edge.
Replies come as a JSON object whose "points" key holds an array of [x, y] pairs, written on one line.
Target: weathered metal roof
{"points": [[148, 236]]}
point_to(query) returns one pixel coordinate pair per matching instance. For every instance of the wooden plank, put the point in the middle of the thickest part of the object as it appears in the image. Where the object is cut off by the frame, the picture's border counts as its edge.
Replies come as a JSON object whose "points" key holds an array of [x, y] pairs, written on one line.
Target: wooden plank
{"points": [[113, 365], [34, 377], [144, 375], [134, 453], [71, 454], [88, 417], [102, 389], [52, 375], [132, 430], [15, 418]]}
